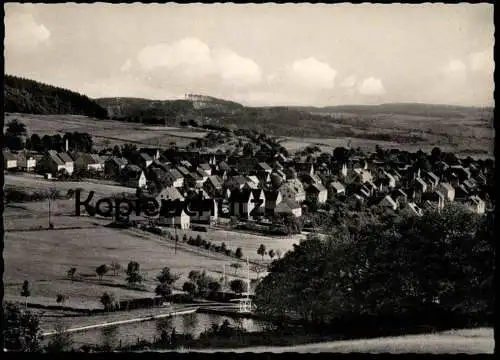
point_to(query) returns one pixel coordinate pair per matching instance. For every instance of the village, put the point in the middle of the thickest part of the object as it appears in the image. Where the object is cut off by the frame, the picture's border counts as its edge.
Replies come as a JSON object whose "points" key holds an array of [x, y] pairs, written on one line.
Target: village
{"points": [[264, 185]]}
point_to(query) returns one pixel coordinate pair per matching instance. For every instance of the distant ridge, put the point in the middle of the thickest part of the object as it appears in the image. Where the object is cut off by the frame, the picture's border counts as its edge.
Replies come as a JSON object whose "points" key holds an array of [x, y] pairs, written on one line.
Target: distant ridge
{"points": [[29, 96]]}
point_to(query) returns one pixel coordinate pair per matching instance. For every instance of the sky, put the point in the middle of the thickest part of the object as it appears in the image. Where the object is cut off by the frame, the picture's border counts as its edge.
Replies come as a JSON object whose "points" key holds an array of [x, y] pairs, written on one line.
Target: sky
{"points": [[259, 54]]}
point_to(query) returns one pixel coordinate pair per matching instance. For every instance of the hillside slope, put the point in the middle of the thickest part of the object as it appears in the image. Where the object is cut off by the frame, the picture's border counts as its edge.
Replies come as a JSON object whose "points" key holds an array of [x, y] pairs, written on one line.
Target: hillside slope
{"points": [[29, 96]]}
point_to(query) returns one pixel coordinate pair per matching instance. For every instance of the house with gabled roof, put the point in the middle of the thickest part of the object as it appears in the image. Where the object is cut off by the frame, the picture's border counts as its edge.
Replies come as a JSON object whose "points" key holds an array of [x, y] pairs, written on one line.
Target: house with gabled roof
{"points": [[476, 204], [431, 179], [304, 168], [294, 190], [389, 202], [69, 163], [205, 168], [170, 193], [9, 160], [164, 165], [186, 164], [88, 162], [174, 216], [144, 160], [52, 162], [182, 170], [288, 206], [156, 175], [174, 178], [317, 192], [242, 203], [470, 184], [447, 190], [461, 193], [461, 172], [400, 196], [213, 186], [133, 176], [194, 179], [272, 199], [236, 182], [154, 153], [25, 161], [260, 203], [415, 209], [336, 188], [113, 166]]}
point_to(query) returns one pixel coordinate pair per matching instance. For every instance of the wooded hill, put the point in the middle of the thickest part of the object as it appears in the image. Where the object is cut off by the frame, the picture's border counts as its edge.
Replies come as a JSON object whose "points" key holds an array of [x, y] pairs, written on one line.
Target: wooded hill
{"points": [[33, 97]]}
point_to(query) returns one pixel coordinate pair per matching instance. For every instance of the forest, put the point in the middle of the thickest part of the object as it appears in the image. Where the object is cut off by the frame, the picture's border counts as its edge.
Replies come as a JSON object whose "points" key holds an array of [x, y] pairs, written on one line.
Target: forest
{"points": [[33, 97]]}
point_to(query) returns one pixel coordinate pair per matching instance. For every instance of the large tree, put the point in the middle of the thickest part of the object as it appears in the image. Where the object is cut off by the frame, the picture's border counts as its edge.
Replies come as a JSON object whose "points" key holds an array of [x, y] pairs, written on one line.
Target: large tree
{"points": [[21, 329], [386, 266]]}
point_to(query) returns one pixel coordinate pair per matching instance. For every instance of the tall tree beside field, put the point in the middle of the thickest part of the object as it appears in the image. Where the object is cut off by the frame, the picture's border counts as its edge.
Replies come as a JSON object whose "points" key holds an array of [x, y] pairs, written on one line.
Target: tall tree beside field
{"points": [[71, 272], [26, 292], [166, 276], [237, 285], [238, 253], [108, 301], [271, 254], [134, 276], [61, 299], [163, 290], [235, 266], [115, 267], [61, 341], [21, 329], [189, 287], [15, 135], [261, 251], [101, 271]]}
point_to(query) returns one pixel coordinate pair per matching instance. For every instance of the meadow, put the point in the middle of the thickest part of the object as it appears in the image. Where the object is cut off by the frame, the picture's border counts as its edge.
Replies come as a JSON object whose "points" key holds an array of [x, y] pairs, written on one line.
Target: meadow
{"points": [[106, 132], [42, 256]]}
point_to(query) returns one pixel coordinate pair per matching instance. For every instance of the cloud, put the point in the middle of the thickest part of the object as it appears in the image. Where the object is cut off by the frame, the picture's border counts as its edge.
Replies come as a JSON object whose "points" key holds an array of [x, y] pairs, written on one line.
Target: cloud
{"points": [[193, 59], [371, 86], [127, 65], [235, 68], [482, 61], [455, 66], [312, 73], [349, 82], [23, 33]]}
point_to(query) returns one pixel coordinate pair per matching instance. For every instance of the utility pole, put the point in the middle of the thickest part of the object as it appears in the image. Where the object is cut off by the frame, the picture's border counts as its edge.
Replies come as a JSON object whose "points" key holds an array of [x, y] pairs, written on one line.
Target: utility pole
{"points": [[175, 238]]}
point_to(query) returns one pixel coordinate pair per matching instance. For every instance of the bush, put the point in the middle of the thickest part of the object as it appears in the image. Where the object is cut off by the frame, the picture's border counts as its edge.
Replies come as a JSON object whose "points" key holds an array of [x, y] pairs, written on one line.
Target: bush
{"points": [[237, 285], [238, 253]]}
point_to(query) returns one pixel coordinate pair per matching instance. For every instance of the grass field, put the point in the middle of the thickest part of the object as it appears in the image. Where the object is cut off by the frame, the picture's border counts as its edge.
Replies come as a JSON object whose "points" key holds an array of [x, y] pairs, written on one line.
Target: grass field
{"points": [[294, 144], [464, 341], [44, 256], [107, 132]]}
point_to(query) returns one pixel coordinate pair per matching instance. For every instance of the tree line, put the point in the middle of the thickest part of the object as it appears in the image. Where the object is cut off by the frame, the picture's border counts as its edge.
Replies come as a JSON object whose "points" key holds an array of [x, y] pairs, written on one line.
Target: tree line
{"points": [[381, 271], [16, 139], [33, 97]]}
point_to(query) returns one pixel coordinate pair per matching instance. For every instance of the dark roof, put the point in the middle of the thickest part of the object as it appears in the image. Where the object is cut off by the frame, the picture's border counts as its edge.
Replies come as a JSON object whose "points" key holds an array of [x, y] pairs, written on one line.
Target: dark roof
{"points": [[145, 156], [216, 182], [8, 155], [132, 169], [287, 205], [265, 166], [242, 195], [271, 195], [53, 155], [183, 170], [316, 188], [65, 157], [195, 175]]}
